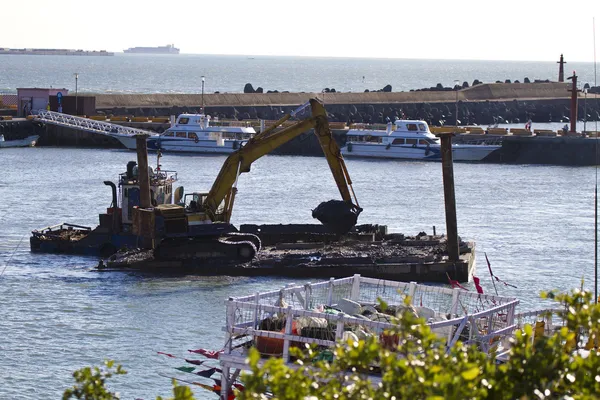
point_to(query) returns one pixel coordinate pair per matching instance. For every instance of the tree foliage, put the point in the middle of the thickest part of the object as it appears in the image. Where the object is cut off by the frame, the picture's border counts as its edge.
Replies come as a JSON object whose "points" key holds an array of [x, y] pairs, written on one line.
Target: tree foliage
{"points": [[91, 384], [420, 366]]}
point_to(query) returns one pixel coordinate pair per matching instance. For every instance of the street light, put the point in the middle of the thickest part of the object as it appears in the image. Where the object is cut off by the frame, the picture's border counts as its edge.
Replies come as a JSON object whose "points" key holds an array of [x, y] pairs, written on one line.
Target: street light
{"points": [[584, 108], [202, 93], [76, 77], [456, 102]]}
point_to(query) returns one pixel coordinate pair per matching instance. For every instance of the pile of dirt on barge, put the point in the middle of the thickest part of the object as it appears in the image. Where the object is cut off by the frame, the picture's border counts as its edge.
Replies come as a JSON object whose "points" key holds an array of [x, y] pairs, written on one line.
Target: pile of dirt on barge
{"points": [[311, 251]]}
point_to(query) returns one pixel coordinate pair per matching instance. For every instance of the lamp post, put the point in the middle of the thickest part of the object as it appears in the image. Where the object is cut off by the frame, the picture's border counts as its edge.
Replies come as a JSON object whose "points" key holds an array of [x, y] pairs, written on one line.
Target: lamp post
{"points": [[456, 103], [76, 77], [202, 94], [584, 109]]}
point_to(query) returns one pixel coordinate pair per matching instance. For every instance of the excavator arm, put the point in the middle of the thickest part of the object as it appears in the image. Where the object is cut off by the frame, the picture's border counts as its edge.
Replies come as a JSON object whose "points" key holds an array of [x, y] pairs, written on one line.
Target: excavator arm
{"points": [[223, 190]]}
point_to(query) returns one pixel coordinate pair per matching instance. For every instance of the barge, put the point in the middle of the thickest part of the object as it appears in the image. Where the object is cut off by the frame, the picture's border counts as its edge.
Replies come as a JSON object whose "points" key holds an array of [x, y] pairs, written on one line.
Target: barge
{"points": [[311, 250]]}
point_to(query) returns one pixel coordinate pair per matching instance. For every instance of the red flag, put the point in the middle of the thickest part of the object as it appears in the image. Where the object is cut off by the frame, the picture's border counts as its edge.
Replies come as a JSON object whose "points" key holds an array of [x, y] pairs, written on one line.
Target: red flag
{"points": [[455, 284], [477, 285], [207, 353]]}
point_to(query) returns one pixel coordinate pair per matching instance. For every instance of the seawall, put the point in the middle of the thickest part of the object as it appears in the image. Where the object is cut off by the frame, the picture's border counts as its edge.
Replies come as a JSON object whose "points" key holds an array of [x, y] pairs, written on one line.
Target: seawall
{"points": [[482, 104]]}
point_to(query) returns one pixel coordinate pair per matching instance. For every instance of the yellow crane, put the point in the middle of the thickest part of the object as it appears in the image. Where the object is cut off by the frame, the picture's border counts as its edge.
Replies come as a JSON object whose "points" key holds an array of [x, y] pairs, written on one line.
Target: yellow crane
{"points": [[209, 236], [217, 204]]}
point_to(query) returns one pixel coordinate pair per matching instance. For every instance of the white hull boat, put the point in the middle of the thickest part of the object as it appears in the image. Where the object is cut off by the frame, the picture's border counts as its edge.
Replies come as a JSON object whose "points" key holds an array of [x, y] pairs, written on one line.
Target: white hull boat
{"points": [[408, 140], [29, 141], [192, 133]]}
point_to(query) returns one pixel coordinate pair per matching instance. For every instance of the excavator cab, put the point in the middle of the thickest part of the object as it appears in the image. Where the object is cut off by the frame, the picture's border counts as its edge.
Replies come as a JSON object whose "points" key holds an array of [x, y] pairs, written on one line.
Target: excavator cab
{"points": [[193, 202], [196, 211]]}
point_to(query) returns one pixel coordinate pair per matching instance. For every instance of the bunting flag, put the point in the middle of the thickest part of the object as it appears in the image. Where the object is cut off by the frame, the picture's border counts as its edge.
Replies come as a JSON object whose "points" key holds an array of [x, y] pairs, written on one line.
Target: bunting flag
{"points": [[455, 284], [185, 369], [194, 362], [207, 373], [477, 285], [216, 388], [207, 353]]}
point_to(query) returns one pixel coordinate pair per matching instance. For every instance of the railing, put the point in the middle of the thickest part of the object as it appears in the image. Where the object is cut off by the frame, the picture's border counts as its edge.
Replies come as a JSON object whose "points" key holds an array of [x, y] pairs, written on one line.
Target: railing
{"points": [[276, 320], [448, 312], [87, 125]]}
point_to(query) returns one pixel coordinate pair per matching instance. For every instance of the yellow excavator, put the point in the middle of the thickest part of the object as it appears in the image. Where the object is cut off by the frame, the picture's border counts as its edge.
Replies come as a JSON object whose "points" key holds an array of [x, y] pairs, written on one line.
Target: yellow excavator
{"points": [[208, 234]]}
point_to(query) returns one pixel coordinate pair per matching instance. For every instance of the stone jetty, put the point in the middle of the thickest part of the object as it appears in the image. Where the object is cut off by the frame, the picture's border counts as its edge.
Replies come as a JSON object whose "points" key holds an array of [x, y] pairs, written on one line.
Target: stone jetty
{"points": [[481, 104]]}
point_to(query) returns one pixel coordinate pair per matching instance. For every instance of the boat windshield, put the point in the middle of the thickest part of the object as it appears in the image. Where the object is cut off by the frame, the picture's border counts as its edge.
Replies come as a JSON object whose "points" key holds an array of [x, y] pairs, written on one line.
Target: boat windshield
{"points": [[183, 120], [412, 127], [422, 128]]}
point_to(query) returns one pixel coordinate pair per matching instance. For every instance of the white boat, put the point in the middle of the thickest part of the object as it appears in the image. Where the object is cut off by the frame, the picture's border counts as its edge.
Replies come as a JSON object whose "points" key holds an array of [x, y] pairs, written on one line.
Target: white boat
{"points": [[29, 141], [410, 140], [193, 133]]}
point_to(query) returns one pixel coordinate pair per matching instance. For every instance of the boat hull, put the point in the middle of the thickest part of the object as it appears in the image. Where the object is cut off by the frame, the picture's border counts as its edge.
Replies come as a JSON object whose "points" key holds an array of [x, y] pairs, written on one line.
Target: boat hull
{"points": [[29, 141], [216, 146], [206, 146], [417, 152]]}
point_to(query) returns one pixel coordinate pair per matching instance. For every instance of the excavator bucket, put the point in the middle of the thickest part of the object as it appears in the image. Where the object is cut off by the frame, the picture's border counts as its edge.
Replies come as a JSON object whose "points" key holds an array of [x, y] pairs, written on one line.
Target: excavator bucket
{"points": [[337, 215]]}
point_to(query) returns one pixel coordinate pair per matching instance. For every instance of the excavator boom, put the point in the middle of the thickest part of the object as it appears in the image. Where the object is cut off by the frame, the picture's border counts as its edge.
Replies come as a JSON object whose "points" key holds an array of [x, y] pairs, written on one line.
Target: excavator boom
{"points": [[223, 189]]}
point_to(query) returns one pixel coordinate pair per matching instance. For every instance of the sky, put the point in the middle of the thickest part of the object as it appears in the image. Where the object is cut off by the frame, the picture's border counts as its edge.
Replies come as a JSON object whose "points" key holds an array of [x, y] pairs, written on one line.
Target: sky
{"points": [[521, 30]]}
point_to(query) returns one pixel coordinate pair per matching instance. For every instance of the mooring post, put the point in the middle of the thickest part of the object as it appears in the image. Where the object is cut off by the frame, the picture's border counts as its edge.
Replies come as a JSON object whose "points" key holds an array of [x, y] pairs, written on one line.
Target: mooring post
{"points": [[574, 96], [449, 199], [142, 156]]}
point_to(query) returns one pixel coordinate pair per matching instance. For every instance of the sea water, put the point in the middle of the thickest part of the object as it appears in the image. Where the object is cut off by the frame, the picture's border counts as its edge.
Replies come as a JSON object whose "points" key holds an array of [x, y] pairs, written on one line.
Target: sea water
{"points": [[57, 314], [141, 73]]}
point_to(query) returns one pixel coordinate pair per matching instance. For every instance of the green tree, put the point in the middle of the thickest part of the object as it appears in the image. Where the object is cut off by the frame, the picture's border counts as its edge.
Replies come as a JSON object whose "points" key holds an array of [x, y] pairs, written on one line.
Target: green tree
{"points": [[91, 384]]}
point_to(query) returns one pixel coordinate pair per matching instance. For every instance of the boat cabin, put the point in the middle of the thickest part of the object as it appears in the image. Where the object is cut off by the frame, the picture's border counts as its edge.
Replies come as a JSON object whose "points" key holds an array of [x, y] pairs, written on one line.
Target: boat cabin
{"points": [[161, 189], [197, 127], [401, 132], [197, 120]]}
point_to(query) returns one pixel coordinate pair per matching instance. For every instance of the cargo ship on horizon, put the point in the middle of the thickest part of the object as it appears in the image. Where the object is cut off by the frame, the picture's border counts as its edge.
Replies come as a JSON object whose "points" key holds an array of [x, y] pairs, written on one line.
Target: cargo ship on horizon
{"points": [[168, 49]]}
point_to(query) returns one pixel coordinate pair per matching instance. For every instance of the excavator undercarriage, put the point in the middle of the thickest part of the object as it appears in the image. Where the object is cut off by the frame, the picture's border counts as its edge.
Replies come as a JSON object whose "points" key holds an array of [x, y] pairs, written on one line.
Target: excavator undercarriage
{"points": [[230, 248]]}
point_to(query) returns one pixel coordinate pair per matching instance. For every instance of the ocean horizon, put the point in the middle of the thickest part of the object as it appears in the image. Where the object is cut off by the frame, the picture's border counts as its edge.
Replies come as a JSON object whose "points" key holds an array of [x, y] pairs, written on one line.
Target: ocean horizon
{"points": [[144, 73]]}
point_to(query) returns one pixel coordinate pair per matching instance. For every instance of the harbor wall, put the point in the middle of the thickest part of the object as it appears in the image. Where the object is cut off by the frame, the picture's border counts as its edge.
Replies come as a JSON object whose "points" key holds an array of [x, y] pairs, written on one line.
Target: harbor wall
{"points": [[482, 104], [492, 91], [574, 151]]}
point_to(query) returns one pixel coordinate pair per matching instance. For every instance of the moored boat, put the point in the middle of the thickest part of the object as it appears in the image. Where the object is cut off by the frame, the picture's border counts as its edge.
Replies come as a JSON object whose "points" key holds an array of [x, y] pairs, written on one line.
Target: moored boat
{"points": [[115, 226], [29, 141], [193, 133], [410, 140]]}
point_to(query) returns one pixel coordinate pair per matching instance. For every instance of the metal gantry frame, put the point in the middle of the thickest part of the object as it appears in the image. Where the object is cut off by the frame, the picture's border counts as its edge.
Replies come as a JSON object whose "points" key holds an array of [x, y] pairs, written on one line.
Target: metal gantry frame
{"points": [[88, 125], [490, 319]]}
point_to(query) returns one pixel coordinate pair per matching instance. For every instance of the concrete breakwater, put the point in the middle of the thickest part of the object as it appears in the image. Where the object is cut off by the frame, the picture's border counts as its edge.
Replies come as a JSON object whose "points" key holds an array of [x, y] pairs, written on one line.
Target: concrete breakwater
{"points": [[482, 104]]}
